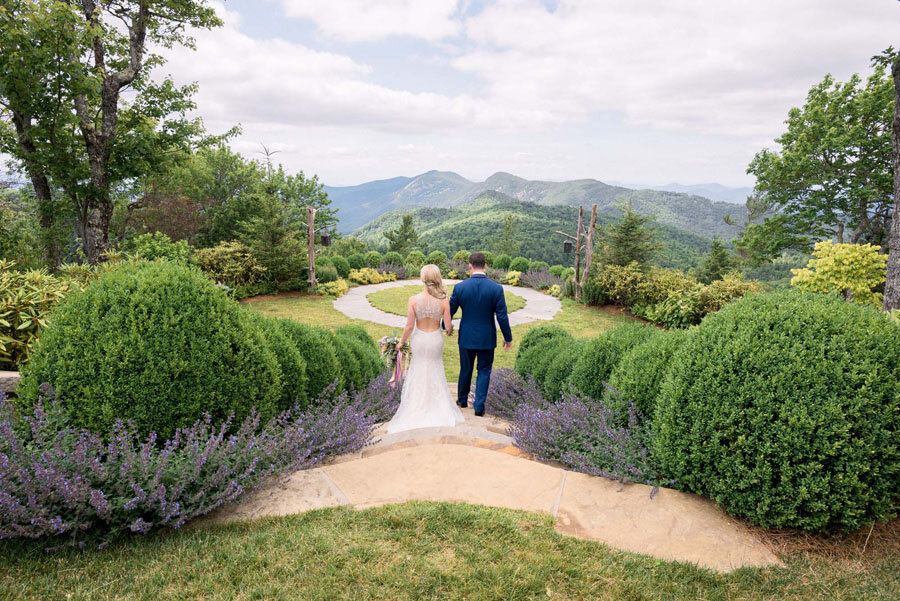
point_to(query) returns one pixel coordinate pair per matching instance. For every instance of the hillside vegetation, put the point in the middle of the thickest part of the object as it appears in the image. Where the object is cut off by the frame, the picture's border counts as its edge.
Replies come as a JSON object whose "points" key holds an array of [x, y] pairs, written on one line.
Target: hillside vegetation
{"points": [[477, 224]]}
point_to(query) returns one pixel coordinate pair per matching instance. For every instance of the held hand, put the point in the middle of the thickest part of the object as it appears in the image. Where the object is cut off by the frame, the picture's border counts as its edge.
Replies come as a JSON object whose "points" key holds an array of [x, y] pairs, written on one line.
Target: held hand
{"points": [[507, 346]]}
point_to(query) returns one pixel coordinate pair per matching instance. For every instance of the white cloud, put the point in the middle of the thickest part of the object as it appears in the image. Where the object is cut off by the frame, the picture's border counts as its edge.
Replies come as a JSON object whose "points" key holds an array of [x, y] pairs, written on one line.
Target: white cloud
{"points": [[360, 20]]}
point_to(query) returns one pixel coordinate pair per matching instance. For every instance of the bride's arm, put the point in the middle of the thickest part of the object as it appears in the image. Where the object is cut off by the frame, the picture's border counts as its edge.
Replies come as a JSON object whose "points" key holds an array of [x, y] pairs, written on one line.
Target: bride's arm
{"points": [[410, 322], [448, 322]]}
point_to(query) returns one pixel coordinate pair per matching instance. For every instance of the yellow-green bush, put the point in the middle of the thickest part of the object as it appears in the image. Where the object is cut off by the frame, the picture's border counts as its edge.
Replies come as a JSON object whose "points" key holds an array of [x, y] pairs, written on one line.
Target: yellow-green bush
{"points": [[367, 275], [512, 278], [337, 288], [555, 290], [230, 263], [852, 270], [26, 298]]}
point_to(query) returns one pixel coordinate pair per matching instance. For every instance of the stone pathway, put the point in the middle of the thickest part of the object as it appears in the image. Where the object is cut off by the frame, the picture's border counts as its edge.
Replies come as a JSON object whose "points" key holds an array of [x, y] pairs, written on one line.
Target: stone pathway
{"points": [[476, 462], [354, 304]]}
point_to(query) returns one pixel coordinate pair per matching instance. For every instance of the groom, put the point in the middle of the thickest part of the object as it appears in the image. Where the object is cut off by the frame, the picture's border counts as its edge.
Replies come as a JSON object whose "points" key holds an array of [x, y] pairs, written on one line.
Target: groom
{"points": [[480, 299]]}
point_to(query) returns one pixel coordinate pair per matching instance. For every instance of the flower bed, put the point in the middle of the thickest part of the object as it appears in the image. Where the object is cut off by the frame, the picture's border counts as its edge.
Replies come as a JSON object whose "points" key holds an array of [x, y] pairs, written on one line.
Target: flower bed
{"points": [[70, 485]]}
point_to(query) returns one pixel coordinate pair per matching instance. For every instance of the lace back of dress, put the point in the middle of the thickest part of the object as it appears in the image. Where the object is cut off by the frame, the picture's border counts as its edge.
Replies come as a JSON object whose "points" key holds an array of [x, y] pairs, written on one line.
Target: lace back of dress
{"points": [[428, 307]]}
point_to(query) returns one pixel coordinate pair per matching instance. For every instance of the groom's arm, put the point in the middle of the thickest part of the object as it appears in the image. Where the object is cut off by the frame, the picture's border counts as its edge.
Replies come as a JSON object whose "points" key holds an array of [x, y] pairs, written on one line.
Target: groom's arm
{"points": [[454, 301], [502, 317]]}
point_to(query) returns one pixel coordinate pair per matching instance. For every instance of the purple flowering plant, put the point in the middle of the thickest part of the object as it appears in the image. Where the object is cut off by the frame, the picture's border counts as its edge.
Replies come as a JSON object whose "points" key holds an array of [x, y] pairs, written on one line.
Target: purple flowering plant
{"points": [[397, 269], [540, 279], [581, 433], [69, 484]]}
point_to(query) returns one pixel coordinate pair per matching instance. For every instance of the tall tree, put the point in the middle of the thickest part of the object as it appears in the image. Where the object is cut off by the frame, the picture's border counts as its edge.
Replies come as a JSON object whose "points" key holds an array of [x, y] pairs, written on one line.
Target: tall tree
{"points": [[64, 101], [631, 240], [831, 177], [405, 238], [892, 285], [717, 263], [507, 243]]}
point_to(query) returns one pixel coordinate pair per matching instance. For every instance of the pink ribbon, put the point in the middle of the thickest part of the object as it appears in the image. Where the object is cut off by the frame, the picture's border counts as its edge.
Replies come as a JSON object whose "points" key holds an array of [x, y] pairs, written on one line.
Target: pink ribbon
{"points": [[397, 376]]}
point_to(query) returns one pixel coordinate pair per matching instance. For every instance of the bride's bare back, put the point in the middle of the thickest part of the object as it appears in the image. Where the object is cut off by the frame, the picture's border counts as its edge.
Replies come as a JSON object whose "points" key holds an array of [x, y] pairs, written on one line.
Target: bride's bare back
{"points": [[428, 312]]}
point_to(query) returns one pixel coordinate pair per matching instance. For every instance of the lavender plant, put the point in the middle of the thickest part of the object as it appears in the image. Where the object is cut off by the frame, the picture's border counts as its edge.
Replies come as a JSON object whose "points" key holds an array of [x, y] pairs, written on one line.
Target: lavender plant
{"points": [[508, 391], [498, 275], [540, 279], [396, 268], [69, 484]]}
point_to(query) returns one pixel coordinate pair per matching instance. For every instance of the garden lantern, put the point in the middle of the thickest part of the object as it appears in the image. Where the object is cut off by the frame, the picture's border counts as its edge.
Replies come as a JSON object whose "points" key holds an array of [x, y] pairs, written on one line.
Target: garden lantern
{"points": [[567, 247], [326, 239]]}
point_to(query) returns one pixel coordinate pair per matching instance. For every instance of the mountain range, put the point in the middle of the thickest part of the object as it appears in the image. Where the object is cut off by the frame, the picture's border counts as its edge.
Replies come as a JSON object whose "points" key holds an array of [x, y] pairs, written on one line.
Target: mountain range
{"points": [[359, 205]]}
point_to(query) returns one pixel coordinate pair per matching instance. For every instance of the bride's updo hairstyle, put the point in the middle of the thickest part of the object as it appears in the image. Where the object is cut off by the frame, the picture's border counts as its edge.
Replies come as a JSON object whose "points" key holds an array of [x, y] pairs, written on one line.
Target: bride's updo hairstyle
{"points": [[434, 283]]}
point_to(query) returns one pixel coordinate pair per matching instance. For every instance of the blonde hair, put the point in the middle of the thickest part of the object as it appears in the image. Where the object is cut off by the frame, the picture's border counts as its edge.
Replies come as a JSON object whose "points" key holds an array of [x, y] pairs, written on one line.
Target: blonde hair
{"points": [[431, 277]]}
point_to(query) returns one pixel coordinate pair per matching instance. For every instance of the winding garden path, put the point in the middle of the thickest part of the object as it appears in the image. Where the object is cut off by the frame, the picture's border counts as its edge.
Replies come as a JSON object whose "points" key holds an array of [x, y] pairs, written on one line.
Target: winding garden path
{"points": [[354, 304], [476, 462]]}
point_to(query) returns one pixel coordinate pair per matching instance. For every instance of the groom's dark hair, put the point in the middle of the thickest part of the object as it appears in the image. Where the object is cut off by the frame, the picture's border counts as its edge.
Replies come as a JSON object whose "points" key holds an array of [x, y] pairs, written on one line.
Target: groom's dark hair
{"points": [[476, 260]]}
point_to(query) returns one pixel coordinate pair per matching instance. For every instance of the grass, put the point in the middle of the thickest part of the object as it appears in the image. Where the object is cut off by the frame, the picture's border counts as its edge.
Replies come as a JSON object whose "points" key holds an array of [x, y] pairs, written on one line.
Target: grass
{"points": [[581, 321], [411, 551], [394, 300]]}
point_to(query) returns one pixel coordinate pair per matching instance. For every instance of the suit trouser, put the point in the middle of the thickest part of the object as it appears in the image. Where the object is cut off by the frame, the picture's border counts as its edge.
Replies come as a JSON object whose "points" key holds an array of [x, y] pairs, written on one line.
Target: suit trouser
{"points": [[467, 357]]}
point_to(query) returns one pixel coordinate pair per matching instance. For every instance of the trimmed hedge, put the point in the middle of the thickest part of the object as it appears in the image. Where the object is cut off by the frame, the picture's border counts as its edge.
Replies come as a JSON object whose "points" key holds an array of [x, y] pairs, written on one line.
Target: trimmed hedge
{"points": [[603, 354], [374, 259], [156, 343], [342, 265], [501, 262], [393, 257], [537, 334], [357, 332], [351, 371], [316, 348], [785, 408], [291, 363], [639, 375], [559, 371], [356, 261], [539, 352], [367, 356], [519, 264]]}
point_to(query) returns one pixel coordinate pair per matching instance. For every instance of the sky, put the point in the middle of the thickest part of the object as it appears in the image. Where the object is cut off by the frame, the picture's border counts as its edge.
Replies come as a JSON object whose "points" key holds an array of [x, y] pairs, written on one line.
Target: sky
{"points": [[649, 91]]}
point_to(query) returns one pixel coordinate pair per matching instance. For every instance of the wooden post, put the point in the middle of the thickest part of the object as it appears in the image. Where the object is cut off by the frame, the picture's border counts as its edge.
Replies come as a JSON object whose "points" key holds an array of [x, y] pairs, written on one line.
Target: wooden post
{"points": [[589, 249], [311, 244], [578, 253]]}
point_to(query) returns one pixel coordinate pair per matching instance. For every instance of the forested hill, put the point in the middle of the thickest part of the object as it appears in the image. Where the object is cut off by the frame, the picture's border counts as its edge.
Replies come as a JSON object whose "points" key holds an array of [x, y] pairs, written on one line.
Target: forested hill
{"points": [[478, 225], [358, 205]]}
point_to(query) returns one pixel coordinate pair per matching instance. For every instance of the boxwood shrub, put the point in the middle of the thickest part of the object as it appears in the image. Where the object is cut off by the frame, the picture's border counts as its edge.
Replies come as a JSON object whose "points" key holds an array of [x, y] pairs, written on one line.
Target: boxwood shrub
{"points": [[366, 354], [539, 352], [374, 259], [537, 334], [357, 261], [519, 264], [603, 354], [294, 381], [156, 343], [639, 375], [393, 257], [315, 346], [357, 332], [351, 371], [557, 375], [501, 262], [785, 408], [342, 265]]}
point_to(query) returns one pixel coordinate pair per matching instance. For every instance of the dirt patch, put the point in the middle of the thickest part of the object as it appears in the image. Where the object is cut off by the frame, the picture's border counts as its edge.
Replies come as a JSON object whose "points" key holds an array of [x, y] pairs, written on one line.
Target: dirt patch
{"points": [[880, 539]]}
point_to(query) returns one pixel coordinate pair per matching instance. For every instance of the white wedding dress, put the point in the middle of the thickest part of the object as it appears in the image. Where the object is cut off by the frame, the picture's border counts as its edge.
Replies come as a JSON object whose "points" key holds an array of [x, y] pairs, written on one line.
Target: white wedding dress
{"points": [[425, 401]]}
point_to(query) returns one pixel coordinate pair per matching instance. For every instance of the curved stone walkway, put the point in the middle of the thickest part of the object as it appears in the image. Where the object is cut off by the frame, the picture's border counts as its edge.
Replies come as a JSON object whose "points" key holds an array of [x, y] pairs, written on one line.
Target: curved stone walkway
{"points": [[476, 462], [354, 304]]}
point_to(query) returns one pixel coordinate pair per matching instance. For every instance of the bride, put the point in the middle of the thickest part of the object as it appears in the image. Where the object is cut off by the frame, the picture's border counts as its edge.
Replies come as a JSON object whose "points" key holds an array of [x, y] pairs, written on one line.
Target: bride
{"points": [[425, 401]]}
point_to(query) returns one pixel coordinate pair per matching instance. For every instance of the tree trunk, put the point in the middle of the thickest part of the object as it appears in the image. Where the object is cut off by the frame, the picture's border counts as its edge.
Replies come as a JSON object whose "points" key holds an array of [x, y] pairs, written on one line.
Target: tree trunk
{"points": [[311, 244], [578, 254], [892, 285], [589, 247], [95, 229]]}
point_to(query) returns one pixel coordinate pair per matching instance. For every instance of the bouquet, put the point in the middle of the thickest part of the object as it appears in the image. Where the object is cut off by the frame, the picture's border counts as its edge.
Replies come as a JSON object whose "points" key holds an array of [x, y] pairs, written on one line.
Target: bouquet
{"points": [[395, 356]]}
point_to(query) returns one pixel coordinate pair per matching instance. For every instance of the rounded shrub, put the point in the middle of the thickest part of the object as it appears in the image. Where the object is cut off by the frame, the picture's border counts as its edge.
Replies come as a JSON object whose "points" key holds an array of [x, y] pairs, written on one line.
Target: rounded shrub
{"points": [[543, 356], [156, 343], [639, 375], [534, 352], [357, 261], [393, 257], [502, 262], [556, 270], [519, 264], [367, 356], [436, 257], [351, 371], [315, 345], [326, 273], [557, 375], [603, 354], [374, 259], [414, 261], [357, 332], [342, 265], [462, 255], [538, 333], [488, 258], [535, 265], [785, 409], [291, 363]]}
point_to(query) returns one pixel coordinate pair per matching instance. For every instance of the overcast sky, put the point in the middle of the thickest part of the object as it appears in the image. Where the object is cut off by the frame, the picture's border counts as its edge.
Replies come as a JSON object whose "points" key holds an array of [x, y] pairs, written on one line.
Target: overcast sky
{"points": [[649, 91]]}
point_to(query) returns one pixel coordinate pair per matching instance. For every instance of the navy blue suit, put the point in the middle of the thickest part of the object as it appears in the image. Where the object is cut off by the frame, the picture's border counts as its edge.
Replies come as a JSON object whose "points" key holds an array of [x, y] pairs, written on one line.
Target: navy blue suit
{"points": [[480, 299]]}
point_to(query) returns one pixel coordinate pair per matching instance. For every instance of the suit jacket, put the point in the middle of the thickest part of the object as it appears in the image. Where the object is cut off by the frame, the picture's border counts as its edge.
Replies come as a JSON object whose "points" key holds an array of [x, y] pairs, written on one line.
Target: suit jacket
{"points": [[480, 298]]}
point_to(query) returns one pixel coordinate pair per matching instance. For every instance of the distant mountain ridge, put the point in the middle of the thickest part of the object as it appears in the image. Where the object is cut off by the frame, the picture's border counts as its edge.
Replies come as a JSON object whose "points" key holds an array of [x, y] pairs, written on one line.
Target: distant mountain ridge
{"points": [[358, 205], [712, 191]]}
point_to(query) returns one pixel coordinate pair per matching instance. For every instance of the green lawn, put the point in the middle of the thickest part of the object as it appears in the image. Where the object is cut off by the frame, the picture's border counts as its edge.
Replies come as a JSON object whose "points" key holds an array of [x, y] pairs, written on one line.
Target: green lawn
{"points": [[411, 551], [394, 300], [582, 321]]}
